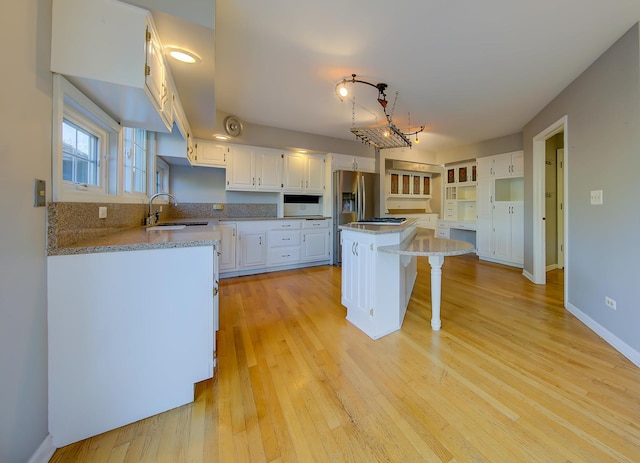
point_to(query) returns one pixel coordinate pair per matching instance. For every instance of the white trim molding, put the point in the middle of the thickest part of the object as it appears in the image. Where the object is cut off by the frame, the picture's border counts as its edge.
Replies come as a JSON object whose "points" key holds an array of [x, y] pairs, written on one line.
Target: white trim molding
{"points": [[617, 343], [44, 453]]}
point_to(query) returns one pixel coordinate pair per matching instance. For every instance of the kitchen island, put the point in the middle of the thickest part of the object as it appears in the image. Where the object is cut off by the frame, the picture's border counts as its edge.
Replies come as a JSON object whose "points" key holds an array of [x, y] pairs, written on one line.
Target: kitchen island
{"points": [[379, 269]]}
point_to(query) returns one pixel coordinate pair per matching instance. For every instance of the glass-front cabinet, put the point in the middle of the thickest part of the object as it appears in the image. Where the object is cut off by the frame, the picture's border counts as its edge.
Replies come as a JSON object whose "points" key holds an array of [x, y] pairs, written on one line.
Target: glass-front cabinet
{"points": [[408, 184]]}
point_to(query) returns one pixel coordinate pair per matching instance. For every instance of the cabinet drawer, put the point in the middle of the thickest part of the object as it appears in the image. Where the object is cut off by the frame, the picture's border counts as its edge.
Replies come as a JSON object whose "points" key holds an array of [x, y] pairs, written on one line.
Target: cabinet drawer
{"points": [[284, 255], [284, 238], [315, 224], [443, 233], [285, 225]]}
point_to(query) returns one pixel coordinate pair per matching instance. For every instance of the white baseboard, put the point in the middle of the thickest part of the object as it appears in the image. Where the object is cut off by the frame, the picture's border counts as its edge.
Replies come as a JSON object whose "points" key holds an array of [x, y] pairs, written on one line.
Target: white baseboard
{"points": [[528, 276], [617, 343], [44, 453], [552, 267]]}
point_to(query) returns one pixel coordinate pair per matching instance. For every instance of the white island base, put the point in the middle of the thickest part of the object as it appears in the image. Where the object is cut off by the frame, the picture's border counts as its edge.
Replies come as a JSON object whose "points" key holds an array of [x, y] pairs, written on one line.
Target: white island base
{"points": [[376, 287], [379, 269]]}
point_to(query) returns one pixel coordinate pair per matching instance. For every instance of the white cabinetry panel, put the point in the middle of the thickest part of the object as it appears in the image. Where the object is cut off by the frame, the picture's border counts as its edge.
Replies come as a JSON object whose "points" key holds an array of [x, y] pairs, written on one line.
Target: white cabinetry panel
{"points": [[110, 362]]}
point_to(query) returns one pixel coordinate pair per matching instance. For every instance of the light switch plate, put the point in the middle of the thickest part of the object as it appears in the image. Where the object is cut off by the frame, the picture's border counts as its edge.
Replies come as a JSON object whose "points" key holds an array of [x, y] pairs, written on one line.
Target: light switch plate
{"points": [[102, 212], [39, 193], [596, 197]]}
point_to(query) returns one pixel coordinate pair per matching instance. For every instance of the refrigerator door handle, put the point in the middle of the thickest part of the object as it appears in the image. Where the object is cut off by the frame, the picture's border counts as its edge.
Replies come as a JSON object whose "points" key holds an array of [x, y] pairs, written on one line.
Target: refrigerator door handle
{"points": [[364, 198]]}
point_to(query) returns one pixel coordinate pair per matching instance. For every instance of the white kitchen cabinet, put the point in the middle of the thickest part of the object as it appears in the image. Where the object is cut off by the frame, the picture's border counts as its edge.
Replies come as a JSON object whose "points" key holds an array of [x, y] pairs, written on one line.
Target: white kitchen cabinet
{"points": [[121, 345], [316, 240], [358, 270], [228, 232], [501, 165], [179, 143], [211, 154], [253, 168], [374, 282], [500, 231], [284, 242], [353, 163], [111, 52], [508, 219], [253, 248], [304, 173]]}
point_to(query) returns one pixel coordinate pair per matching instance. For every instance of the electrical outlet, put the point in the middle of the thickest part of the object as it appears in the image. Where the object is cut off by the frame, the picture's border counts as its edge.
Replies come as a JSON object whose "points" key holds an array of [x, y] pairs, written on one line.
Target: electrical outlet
{"points": [[102, 212], [610, 302], [218, 207], [596, 197]]}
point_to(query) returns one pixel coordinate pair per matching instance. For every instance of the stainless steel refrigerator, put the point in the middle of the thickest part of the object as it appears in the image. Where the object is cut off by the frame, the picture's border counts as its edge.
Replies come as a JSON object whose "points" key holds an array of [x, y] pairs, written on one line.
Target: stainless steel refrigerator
{"points": [[355, 197]]}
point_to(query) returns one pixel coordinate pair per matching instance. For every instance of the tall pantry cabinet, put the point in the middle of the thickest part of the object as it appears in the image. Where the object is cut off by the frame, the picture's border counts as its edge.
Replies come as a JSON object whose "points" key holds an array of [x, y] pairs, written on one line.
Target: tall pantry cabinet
{"points": [[500, 209]]}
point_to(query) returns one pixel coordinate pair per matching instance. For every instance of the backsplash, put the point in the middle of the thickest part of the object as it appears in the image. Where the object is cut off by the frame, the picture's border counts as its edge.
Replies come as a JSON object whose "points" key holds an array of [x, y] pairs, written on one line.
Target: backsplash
{"points": [[69, 222], [230, 210]]}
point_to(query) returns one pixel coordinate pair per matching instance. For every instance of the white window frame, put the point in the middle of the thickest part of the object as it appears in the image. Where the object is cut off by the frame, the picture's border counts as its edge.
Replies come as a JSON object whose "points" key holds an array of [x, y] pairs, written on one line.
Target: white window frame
{"points": [[137, 196], [163, 168], [69, 103]]}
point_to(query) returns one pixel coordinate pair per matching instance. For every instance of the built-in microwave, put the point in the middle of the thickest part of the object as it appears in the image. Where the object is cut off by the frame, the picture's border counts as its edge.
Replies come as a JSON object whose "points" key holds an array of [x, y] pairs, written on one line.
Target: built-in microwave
{"points": [[302, 205]]}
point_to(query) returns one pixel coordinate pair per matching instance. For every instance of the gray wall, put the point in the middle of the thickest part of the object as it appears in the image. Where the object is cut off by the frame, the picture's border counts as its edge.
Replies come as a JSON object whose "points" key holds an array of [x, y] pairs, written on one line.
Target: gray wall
{"points": [[207, 185], [25, 150], [272, 137], [603, 250]]}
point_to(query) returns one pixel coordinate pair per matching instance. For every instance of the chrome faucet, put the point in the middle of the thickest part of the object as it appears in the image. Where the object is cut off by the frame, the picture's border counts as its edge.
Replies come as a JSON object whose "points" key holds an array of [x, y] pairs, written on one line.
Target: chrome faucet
{"points": [[152, 218]]}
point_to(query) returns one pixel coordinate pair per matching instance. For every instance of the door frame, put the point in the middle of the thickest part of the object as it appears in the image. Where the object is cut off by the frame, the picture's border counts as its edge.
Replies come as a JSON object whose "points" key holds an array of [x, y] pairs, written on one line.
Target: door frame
{"points": [[539, 245]]}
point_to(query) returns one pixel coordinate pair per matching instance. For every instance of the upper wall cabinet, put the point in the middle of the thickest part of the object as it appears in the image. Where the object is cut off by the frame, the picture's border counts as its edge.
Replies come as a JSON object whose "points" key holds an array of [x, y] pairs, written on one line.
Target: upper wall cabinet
{"points": [[355, 163], [502, 165], [111, 52], [304, 173], [210, 153], [254, 168]]}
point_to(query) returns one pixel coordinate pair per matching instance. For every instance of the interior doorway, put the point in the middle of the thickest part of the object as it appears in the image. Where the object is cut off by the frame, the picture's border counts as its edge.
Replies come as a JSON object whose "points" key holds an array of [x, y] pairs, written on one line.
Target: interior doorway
{"points": [[554, 202], [539, 202]]}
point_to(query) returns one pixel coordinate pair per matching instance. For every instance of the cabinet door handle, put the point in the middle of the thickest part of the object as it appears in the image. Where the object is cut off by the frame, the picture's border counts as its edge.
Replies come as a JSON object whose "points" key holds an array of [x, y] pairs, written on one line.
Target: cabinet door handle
{"points": [[260, 240], [253, 181], [357, 248], [353, 248]]}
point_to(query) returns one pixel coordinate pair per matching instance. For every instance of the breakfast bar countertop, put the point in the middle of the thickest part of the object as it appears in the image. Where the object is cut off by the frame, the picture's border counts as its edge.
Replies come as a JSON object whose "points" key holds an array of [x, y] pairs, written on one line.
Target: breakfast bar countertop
{"points": [[377, 229], [424, 243]]}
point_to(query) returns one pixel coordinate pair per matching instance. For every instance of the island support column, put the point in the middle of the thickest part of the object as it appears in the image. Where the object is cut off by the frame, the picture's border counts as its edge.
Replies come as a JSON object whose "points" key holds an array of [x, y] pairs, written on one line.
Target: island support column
{"points": [[436, 286]]}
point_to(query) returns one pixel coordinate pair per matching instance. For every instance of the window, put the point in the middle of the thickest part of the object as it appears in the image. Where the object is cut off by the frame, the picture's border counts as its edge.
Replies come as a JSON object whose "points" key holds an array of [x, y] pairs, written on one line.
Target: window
{"points": [[85, 147], [80, 154], [135, 160]]}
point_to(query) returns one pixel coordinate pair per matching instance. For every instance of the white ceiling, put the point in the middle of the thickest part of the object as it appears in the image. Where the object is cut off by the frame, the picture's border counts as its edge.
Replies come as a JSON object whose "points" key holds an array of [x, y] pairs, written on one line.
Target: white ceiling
{"points": [[468, 70]]}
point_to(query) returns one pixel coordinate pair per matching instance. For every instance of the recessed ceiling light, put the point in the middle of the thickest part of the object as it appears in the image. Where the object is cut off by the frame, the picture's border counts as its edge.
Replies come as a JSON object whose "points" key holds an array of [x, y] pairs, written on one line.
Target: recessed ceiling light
{"points": [[183, 55]]}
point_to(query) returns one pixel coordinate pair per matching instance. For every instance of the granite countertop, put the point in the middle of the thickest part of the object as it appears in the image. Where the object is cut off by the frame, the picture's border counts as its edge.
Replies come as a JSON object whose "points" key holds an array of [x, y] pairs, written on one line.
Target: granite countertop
{"points": [[138, 238], [377, 229], [424, 243]]}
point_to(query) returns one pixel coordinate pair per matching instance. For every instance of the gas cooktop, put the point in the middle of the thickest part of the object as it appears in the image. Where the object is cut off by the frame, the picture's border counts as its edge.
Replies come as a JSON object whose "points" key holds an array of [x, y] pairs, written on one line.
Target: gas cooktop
{"points": [[383, 221]]}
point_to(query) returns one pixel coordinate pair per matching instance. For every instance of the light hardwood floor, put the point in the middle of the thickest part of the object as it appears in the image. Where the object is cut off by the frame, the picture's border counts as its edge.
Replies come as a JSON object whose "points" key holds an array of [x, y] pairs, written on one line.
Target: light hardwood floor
{"points": [[511, 377]]}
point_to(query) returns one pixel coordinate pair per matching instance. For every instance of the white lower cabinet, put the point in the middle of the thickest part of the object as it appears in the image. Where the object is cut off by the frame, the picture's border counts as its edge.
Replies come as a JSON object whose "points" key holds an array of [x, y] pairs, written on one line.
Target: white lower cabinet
{"points": [[252, 245], [121, 346], [270, 245], [316, 240], [284, 242], [508, 222], [227, 256]]}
